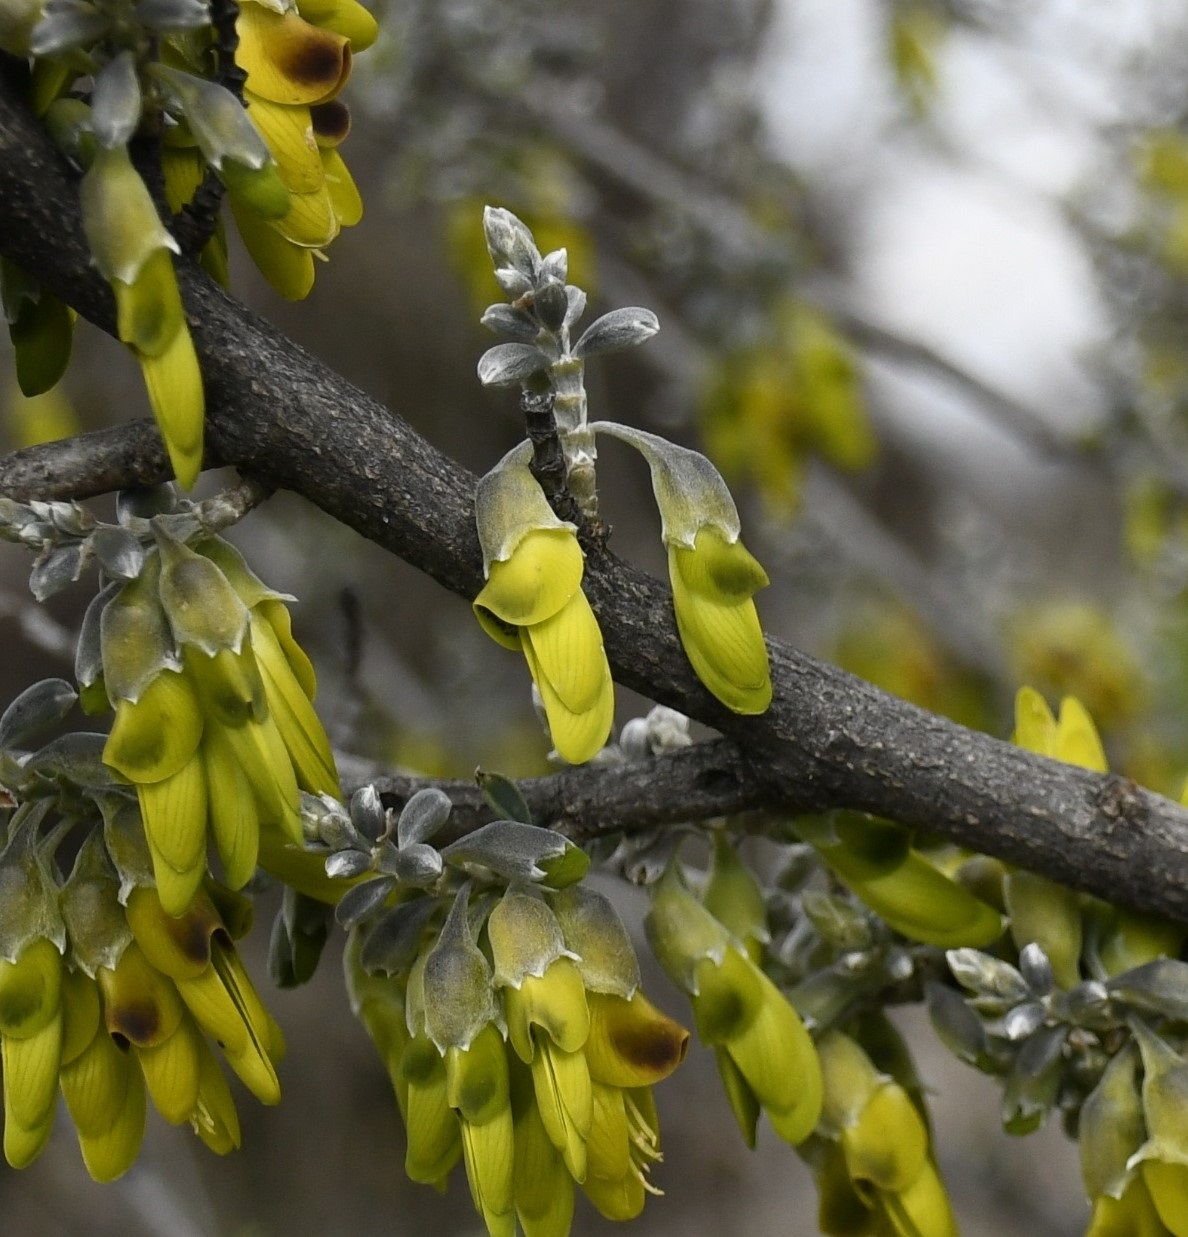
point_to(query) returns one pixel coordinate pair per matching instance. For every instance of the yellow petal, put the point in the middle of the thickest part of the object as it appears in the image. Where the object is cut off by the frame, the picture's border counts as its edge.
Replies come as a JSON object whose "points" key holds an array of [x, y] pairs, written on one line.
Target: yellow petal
{"points": [[140, 1003], [234, 819], [1035, 727], [153, 738], [287, 60], [1168, 1185], [30, 989], [434, 1136], [178, 946], [631, 1043], [576, 736], [277, 616], [172, 1072], [303, 735], [174, 813], [724, 644], [310, 221], [567, 647], [149, 311], [344, 193], [887, 1147], [563, 1098], [104, 1093], [174, 384], [718, 569], [923, 1208], [543, 1188], [289, 135], [287, 267], [80, 1014], [31, 1076], [346, 17], [214, 1118], [1077, 740], [542, 574]]}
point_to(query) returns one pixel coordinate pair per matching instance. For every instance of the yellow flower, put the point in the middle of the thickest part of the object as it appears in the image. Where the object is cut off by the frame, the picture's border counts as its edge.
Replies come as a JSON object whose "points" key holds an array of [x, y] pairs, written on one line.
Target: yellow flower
{"points": [[214, 717], [765, 1056], [884, 1145], [712, 586], [132, 248], [296, 63], [533, 601]]}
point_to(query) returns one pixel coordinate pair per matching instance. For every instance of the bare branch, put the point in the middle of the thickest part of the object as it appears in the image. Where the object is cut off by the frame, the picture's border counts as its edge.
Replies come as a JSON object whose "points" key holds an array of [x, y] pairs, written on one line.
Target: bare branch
{"points": [[828, 739]]}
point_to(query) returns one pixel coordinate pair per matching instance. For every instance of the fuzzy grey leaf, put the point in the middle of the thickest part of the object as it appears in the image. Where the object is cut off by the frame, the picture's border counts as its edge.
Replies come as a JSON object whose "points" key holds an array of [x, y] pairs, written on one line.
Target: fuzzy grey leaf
{"points": [[119, 553], [621, 328], [56, 571], [423, 815], [512, 322], [363, 901], [506, 364], [115, 101], [36, 710]]}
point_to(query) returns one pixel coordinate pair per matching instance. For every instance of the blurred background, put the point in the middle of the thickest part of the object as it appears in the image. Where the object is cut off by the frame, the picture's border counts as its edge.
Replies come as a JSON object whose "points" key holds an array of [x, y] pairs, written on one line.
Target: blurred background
{"points": [[920, 271]]}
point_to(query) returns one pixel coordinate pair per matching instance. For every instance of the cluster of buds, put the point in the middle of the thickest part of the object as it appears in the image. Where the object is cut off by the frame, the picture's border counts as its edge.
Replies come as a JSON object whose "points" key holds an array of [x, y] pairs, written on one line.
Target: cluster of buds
{"points": [[711, 947], [531, 558], [151, 70], [214, 721], [103, 995], [508, 1011]]}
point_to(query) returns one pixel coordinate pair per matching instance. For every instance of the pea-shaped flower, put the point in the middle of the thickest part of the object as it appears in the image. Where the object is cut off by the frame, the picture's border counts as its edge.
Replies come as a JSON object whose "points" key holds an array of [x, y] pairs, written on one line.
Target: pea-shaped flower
{"points": [[714, 577], [765, 1056], [533, 602], [132, 248]]}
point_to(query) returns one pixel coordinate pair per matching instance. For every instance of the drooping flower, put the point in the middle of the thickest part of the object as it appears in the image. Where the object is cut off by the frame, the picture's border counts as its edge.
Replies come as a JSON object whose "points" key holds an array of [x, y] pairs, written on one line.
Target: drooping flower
{"points": [[764, 1053], [714, 577], [297, 60], [214, 721], [533, 602], [132, 249]]}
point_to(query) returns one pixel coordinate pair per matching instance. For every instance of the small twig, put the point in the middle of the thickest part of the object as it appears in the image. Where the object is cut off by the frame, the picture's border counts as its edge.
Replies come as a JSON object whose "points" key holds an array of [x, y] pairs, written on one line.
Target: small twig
{"points": [[229, 506], [548, 456]]}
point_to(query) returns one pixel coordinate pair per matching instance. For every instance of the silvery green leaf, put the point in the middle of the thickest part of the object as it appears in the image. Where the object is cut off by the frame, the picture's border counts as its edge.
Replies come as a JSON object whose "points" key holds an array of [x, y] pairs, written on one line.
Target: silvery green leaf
{"points": [[510, 242], [217, 119], [345, 864], [506, 364], [1023, 1020], [1159, 987], [28, 892], [368, 814], [1036, 969], [513, 283], [503, 795], [119, 552], [1088, 1001], [514, 323], [987, 976], [95, 921], [325, 820], [393, 944], [417, 864], [551, 304], [70, 518], [37, 709], [56, 571], [115, 101], [456, 982], [363, 901], [170, 15], [508, 848], [422, 816], [66, 24], [144, 502], [1034, 1082], [957, 1026], [36, 533], [576, 299], [621, 328], [76, 757], [555, 265]]}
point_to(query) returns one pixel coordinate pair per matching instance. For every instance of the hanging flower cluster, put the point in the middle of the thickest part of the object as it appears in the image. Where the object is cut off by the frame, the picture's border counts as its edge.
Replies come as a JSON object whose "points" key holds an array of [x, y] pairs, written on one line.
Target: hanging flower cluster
{"points": [[531, 558], [174, 71]]}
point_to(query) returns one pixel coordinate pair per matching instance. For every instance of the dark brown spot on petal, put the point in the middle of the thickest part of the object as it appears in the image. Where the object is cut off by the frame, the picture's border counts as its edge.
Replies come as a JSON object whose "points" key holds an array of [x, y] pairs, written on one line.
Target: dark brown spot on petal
{"points": [[191, 934], [138, 1022], [318, 60], [650, 1045], [331, 121]]}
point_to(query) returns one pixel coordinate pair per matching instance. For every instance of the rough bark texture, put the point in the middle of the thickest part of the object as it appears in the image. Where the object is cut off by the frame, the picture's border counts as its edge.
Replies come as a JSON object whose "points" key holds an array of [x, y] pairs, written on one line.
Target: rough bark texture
{"points": [[828, 740]]}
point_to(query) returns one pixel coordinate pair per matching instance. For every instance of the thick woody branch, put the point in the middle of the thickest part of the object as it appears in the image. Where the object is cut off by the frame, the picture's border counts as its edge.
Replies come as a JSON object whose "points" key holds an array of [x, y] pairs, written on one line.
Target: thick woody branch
{"points": [[828, 739]]}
